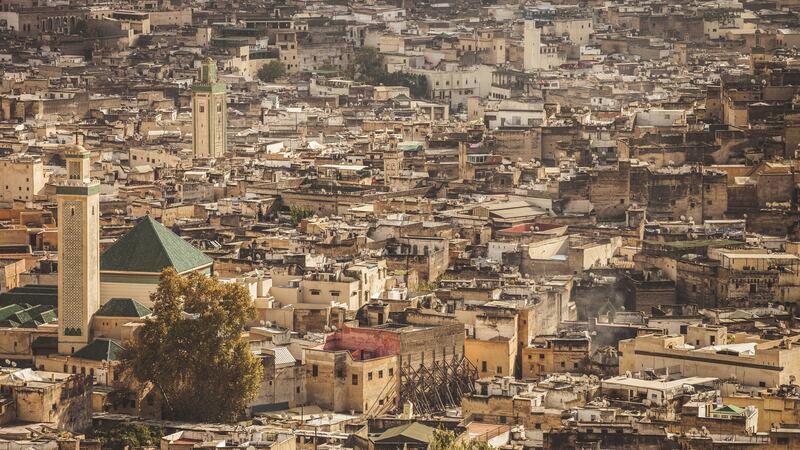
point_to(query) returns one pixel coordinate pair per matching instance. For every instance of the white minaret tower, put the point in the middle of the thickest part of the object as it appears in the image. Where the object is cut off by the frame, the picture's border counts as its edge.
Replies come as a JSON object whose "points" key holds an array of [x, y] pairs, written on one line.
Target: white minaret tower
{"points": [[78, 252], [209, 113], [532, 43]]}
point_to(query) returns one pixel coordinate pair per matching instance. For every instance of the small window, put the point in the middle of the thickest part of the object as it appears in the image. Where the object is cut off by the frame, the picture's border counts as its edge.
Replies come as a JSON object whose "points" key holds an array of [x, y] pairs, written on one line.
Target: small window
{"points": [[380, 374], [354, 380], [314, 370], [369, 376], [484, 366]]}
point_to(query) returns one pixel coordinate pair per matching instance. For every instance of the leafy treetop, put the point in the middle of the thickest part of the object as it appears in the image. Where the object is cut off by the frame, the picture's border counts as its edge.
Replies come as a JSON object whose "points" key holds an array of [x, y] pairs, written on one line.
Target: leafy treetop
{"points": [[194, 350]]}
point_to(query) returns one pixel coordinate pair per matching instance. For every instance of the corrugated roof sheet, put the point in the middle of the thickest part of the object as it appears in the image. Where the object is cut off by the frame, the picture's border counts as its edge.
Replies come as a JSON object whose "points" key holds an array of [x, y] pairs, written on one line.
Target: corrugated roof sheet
{"points": [[283, 356]]}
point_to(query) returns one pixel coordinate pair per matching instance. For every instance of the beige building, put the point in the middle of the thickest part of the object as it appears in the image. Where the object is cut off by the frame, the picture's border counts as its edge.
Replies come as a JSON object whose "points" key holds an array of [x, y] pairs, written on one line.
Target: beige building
{"points": [[775, 406], [538, 55], [351, 383], [21, 178], [283, 383], [555, 354], [152, 156], [710, 351], [331, 288], [454, 85], [492, 344], [57, 399], [197, 439], [374, 369], [539, 406], [749, 277], [350, 288]]}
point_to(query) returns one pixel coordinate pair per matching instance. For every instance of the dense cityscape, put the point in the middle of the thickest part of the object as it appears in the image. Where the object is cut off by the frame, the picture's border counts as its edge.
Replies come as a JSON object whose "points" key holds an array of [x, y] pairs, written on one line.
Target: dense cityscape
{"points": [[399, 224]]}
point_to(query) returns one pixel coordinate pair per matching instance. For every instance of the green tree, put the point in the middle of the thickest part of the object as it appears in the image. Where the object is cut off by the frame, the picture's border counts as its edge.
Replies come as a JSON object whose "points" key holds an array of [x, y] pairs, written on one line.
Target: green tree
{"points": [[447, 440], [369, 66], [328, 68], [271, 71], [89, 29], [121, 435], [194, 351], [298, 213]]}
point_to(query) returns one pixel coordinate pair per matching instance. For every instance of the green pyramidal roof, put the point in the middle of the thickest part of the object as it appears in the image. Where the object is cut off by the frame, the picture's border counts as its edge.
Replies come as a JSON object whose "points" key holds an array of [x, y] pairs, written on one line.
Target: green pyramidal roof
{"points": [[100, 350], [123, 307], [150, 247]]}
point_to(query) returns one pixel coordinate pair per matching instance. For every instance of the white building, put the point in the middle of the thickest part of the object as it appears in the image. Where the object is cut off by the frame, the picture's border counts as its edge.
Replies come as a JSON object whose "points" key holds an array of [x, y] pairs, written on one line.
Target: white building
{"points": [[21, 178], [454, 85]]}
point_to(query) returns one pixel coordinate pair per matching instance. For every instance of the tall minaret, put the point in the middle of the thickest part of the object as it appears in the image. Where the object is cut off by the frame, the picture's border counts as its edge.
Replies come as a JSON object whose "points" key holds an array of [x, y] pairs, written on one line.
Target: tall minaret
{"points": [[209, 113], [532, 43], [78, 252]]}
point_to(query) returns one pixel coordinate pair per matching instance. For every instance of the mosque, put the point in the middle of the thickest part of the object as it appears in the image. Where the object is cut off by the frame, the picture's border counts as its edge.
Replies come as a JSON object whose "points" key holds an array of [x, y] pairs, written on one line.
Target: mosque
{"points": [[103, 298]]}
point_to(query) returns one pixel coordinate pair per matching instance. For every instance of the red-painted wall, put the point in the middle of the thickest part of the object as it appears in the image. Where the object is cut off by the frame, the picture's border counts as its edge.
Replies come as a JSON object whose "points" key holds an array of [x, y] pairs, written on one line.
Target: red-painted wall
{"points": [[364, 343]]}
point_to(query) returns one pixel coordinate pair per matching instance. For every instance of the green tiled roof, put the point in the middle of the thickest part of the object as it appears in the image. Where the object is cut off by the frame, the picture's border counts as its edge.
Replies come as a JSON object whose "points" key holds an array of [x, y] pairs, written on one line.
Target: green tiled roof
{"points": [[33, 323], [31, 295], [123, 307], [45, 313], [26, 316], [150, 247], [8, 311], [414, 431], [729, 409], [100, 350]]}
